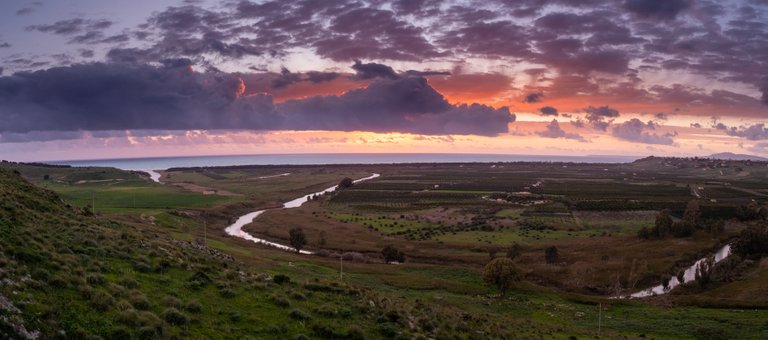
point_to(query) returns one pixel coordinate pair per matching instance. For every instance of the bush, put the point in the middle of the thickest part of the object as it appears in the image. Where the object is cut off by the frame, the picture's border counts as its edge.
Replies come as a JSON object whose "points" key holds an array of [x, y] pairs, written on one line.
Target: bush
{"points": [[326, 310], [355, 333], [174, 317], [96, 279], [227, 293], [234, 316], [170, 301], [299, 315], [280, 279], [102, 301], [298, 296], [501, 273], [138, 300], [279, 300], [391, 254], [193, 306]]}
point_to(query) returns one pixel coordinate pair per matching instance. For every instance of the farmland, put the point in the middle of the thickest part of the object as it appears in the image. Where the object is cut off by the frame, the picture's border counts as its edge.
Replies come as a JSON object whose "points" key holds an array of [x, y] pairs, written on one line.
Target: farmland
{"points": [[449, 220]]}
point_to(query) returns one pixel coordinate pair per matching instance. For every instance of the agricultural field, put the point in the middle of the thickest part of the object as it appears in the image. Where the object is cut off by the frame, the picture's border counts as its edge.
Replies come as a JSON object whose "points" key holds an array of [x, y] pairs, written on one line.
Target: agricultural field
{"points": [[153, 240]]}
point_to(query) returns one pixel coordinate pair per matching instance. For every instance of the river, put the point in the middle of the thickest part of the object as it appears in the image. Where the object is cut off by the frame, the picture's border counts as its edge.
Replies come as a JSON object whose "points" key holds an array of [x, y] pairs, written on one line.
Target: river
{"points": [[689, 276], [236, 229]]}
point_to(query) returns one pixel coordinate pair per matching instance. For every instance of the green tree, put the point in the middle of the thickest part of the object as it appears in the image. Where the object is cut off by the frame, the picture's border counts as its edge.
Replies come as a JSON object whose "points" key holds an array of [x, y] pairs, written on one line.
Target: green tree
{"points": [[391, 254], [346, 183], [297, 238], [501, 273]]}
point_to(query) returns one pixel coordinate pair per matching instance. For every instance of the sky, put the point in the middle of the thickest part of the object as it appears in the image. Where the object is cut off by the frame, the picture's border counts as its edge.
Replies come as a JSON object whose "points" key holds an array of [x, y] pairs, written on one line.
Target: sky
{"points": [[89, 79]]}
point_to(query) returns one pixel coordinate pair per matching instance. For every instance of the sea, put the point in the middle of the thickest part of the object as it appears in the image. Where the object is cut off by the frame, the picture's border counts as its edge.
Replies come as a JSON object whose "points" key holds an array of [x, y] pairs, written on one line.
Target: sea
{"points": [[162, 163]]}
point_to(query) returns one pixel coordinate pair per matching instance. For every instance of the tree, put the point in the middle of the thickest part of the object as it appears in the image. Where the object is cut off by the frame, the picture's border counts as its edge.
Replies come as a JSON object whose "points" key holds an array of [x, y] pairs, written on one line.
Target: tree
{"points": [[550, 254], [346, 183], [501, 273], [391, 254], [298, 239], [513, 251], [663, 224], [752, 242], [692, 214]]}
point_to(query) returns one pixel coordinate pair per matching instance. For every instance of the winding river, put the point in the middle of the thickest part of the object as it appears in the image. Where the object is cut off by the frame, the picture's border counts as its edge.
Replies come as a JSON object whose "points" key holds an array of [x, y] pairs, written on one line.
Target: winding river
{"points": [[689, 276], [153, 175], [236, 229]]}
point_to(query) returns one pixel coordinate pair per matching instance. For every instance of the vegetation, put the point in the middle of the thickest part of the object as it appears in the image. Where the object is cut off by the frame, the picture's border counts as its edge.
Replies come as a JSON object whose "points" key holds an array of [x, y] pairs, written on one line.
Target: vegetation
{"points": [[150, 270], [501, 273], [297, 238], [391, 254]]}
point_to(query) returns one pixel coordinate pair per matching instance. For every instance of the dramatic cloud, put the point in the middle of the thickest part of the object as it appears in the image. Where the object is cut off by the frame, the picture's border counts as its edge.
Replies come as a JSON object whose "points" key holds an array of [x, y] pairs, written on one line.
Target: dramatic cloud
{"points": [[114, 97], [96, 97], [5, 45], [600, 117], [373, 70], [633, 131], [548, 111], [555, 131], [405, 104]]}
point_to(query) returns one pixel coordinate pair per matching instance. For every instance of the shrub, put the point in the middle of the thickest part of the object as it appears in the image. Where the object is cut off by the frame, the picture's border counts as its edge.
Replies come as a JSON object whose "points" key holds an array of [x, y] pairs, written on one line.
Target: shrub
{"points": [[129, 317], [501, 273], [193, 306], [102, 301], [96, 279], [326, 310], [279, 300], [174, 317], [171, 301], [391, 254], [138, 300], [355, 333], [128, 282], [299, 315], [298, 296], [280, 279], [227, 293]]}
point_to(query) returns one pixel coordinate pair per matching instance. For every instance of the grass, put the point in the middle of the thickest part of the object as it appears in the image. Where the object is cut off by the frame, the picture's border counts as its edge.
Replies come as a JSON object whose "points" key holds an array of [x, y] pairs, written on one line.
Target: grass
{"points": [[438, 290]]}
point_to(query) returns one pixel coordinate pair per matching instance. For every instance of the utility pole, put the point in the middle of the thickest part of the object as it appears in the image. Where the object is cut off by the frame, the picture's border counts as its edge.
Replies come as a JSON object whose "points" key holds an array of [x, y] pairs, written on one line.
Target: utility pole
{"points": [[341, 266], [93, 203], [205, 236]]}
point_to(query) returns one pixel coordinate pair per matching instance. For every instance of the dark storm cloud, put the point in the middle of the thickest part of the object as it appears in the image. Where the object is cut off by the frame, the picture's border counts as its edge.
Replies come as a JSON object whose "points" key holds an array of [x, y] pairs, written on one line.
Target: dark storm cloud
{"points": [[5, 45], [99, 97], [576, 38], [113, 97], [373, 70], [405, 104], [548, 111], [633, 131], [661, 116], [285, 78], [601, 117], [657, 9], [533, 97], [553, 130], [696, 125]]}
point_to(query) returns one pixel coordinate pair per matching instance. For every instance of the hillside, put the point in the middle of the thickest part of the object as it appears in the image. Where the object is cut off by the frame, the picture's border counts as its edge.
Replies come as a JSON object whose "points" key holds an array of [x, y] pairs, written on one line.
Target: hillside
{"points": [[67, 274], [737, 157]]}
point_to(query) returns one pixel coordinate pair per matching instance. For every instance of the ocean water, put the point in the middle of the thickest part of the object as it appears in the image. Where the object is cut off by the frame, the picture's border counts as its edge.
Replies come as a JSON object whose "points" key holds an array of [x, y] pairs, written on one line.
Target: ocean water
{"points": [[161, 163]]}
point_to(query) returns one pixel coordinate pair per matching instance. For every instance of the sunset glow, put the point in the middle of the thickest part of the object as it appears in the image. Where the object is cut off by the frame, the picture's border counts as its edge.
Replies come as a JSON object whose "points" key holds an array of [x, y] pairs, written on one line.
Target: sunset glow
{"points": [[248, 77]]}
